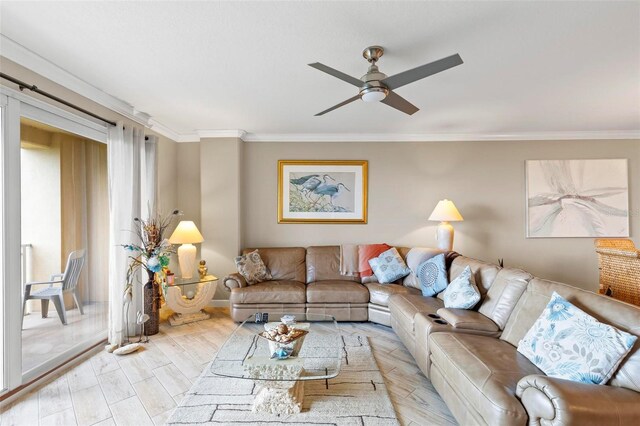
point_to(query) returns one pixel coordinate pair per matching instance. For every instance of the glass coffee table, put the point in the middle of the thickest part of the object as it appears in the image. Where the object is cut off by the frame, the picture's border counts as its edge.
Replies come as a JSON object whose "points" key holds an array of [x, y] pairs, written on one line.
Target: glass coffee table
{"points": [[316, 355]]}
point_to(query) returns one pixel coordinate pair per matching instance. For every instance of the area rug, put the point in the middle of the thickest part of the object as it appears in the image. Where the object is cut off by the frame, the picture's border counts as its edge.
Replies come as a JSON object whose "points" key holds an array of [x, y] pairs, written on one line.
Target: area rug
{"points": [[356, 397]]}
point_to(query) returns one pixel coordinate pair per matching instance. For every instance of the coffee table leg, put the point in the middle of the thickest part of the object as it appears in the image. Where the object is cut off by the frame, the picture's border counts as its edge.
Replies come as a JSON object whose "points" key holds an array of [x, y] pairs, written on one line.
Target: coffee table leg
{"points": [[279, 397]]}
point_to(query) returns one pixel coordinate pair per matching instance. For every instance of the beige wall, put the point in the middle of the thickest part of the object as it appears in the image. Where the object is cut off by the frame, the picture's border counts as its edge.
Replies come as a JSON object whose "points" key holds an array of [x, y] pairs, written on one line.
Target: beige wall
{"points": [[167, 175], [188, 169], [40, 205], [220, 185], [486, 180]]}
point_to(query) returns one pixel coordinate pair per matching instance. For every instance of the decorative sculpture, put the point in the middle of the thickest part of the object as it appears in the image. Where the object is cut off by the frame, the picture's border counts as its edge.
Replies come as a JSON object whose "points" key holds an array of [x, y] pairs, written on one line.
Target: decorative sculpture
{"points": [[202, 269], [190, 309]]}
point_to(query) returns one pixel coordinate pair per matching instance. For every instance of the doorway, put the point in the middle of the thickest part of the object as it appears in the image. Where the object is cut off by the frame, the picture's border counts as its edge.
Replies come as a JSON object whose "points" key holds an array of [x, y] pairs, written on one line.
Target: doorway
{"points": [[54, 196], [64, 209]]}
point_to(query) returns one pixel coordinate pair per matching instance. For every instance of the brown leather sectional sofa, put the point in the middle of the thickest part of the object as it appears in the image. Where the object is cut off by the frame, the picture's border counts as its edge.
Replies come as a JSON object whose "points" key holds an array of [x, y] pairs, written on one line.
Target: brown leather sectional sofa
{"points": [[469, 355], [309, 280]]}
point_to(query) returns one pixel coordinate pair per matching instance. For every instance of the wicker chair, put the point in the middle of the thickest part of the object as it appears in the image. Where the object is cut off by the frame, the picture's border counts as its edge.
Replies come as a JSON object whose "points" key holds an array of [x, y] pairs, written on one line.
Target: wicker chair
{"points": [[619, 269]]}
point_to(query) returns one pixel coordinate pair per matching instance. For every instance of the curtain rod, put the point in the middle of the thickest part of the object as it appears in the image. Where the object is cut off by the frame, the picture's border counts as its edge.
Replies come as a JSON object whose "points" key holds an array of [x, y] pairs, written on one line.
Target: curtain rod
{"points": [[22, 85]]}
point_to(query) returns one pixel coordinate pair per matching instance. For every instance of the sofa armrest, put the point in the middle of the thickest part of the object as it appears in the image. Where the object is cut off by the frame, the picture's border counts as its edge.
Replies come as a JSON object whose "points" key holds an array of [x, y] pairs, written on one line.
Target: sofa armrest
{"points": [[467, 320], [234, 281], [552, 401]]}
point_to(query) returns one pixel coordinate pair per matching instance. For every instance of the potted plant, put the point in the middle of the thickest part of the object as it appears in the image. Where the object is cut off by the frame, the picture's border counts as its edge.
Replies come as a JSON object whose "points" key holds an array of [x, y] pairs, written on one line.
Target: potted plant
{"points": [[150, 253]]}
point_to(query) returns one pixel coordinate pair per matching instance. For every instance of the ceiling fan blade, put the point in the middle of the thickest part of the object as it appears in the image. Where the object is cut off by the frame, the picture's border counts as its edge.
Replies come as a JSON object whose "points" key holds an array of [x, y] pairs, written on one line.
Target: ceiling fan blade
{"points": [[422, 71], [339, 74], [401, 104], [348, 101]]}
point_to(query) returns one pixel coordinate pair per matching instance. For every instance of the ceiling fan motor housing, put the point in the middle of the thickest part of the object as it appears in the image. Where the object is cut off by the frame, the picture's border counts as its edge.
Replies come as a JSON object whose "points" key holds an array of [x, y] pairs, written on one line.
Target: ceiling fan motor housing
{"points": [[373, 89]]}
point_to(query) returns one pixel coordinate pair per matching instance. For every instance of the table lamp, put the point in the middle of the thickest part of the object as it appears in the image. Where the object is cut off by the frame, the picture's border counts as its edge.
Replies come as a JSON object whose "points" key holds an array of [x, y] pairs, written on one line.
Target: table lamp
{"points": [[187, 234], [445, 212]]}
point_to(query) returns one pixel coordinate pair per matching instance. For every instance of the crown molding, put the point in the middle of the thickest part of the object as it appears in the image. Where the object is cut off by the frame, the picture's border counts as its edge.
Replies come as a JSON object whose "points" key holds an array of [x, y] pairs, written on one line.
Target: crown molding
{"points": [[195, 136], [232, 133], [392, 137], [438, 137], [160, 128], [36, 63]]}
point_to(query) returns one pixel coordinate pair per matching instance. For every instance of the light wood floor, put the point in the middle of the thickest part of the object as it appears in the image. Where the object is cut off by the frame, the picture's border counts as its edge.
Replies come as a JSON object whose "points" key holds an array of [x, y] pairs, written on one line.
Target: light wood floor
{"points": [[143, 388], [45, 338]]}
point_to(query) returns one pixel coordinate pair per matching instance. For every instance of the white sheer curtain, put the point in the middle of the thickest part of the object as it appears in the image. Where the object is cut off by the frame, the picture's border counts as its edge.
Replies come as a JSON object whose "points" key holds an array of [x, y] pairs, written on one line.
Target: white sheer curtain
{"points": [[132, 187], [150, 174]]}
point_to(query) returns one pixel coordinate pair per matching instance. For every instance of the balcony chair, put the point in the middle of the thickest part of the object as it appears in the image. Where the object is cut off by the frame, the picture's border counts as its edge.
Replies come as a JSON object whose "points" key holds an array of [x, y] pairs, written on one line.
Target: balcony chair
{"points": [[69, 281]]}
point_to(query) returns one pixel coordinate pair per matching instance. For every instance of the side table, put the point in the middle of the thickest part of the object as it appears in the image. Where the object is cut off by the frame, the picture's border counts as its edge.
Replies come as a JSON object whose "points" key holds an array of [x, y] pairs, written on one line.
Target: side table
{"points": [[190, 310]]}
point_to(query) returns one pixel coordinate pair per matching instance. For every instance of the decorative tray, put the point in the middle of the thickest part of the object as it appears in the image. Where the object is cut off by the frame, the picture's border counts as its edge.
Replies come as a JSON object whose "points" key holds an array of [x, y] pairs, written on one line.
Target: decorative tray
{"points": [[283, 334]]}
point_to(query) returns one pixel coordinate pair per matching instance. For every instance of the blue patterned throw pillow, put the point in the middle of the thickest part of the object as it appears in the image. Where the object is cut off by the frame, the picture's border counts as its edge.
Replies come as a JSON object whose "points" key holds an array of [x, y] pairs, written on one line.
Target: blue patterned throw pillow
{"points": [[432, 275], [567, 343], [462, 293], [389, 266]]}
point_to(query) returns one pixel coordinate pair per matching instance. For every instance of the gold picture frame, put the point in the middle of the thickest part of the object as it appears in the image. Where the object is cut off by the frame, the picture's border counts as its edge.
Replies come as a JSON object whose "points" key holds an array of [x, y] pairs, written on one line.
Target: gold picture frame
{"points": [[322, 191]]}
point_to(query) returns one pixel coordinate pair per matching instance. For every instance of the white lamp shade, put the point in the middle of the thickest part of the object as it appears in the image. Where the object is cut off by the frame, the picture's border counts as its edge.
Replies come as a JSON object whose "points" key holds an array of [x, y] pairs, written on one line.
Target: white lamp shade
{"points": [[446, 211], [186, 233]]}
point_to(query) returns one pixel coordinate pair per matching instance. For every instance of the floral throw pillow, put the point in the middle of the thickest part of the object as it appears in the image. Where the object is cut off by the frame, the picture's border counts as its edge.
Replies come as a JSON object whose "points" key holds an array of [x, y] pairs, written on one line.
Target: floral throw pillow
{"points": [[567, 343], [462, 292], [252, 268], [432, 275], [389, 266]]}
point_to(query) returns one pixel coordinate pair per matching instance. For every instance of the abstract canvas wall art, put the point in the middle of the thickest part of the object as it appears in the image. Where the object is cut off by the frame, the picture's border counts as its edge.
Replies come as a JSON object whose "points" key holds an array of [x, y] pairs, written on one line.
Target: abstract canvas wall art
{"points": [[577, 198], [322, 191]]}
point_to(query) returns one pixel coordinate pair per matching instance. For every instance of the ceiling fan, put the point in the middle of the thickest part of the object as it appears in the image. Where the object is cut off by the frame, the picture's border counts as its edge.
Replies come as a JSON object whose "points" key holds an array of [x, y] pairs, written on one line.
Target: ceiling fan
{"points": [[377, 87]]}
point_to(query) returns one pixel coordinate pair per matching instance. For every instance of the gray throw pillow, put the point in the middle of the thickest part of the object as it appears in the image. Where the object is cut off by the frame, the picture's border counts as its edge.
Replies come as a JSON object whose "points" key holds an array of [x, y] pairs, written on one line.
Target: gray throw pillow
{"points": [[252, 268]]}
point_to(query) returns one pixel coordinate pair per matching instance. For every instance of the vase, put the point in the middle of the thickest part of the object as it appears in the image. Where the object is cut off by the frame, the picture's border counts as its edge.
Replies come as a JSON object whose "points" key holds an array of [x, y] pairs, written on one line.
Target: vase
{"points": [[152, 305]]}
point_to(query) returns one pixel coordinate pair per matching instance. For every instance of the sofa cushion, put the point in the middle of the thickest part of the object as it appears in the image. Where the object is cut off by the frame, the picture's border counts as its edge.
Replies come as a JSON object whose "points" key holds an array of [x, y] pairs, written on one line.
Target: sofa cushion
{"points": [[503, 295], [567, 343], [269, 292], [323, 263], [284, 263], [465, 319], [404, 307], [379, 294], [485, 372], [605, 309], [415, 257], [337, 291]]}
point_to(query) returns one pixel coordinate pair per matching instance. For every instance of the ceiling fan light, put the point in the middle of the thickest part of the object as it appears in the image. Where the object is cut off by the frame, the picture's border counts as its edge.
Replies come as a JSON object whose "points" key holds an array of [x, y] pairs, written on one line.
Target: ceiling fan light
{"points": [[374, 94]]}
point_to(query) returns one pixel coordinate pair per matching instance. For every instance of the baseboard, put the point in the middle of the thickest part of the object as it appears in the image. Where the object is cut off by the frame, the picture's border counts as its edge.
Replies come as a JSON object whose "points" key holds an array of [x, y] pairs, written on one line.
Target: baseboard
{"points": [[219, 303]]}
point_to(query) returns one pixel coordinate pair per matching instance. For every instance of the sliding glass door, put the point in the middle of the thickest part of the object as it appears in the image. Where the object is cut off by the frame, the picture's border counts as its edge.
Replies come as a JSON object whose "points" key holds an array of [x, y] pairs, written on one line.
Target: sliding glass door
{"points": [[64, 222], [55, 183], [10, 248], [2, 110]]}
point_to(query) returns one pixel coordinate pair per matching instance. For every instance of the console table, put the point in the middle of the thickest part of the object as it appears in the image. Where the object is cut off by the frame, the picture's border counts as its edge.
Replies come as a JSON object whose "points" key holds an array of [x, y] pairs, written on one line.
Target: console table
{"points": [[186, 309]]}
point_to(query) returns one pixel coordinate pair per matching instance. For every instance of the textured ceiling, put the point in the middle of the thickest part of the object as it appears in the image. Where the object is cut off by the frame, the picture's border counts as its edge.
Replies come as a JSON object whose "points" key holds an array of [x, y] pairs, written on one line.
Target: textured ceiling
{"points": [[530, 67]]}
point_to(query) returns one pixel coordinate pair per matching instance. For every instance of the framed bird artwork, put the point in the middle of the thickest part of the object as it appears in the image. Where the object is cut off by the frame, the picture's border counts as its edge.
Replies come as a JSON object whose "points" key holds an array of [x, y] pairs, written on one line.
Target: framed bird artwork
{"points": [[322, 191]]}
